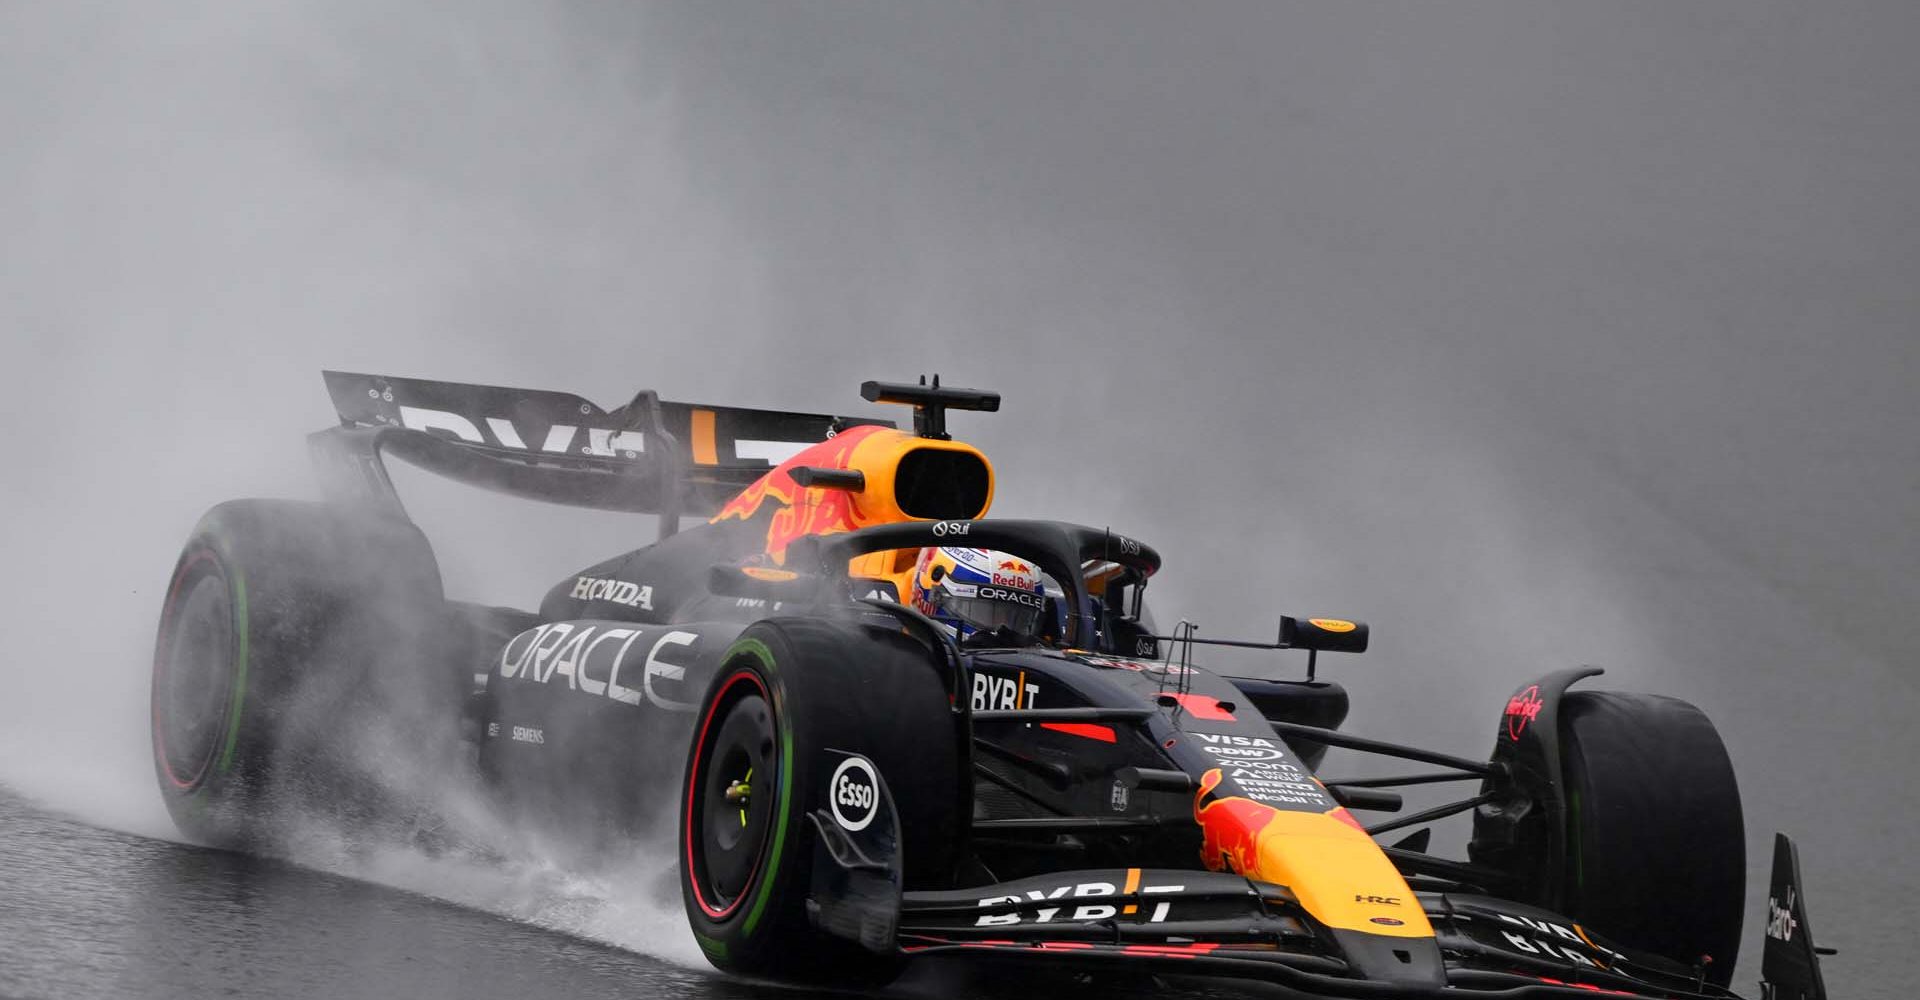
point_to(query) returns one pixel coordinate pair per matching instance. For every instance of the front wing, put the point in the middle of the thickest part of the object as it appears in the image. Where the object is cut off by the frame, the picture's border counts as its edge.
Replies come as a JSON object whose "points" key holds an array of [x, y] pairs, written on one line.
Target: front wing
{"points": [[1209, 923]]}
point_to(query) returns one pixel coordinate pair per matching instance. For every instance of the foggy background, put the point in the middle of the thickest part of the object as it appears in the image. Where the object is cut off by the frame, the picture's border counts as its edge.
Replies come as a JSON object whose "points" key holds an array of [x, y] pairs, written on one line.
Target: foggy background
{"points": [[1534, 334]]}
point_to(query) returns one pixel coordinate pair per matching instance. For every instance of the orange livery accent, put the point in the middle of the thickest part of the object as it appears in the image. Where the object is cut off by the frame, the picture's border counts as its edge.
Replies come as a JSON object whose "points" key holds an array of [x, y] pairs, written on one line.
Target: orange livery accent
{"points": [[878, 453], [1230, 828], [1335, 870], [705, 451], [825, 512]]}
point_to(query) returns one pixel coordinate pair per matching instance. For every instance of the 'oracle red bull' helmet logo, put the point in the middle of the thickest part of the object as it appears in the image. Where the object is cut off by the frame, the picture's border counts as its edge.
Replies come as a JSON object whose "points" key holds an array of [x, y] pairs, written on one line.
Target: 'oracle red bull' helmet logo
{"points": [[1015, 573], [978, 589]]}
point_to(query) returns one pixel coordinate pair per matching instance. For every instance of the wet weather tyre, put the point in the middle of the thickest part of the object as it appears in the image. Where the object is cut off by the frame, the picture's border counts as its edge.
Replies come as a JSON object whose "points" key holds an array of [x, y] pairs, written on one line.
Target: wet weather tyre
{"points": [[1656, 843], [295, 649], [792, 697]]}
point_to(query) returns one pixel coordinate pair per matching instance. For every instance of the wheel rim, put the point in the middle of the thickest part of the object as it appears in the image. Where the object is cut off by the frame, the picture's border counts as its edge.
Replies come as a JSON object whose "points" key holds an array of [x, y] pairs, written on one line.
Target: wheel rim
{"points": [[731, 815], [193, 681]]}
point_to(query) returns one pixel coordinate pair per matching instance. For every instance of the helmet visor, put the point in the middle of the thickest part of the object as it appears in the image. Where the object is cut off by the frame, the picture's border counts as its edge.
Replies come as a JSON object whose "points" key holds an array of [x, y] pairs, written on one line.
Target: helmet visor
{"points": [[988, 607]]}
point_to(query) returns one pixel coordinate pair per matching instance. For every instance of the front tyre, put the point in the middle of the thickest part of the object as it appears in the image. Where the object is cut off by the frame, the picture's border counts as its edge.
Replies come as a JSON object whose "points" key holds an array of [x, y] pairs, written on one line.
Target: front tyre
{"points": [[792, 702], [1656, 849]]}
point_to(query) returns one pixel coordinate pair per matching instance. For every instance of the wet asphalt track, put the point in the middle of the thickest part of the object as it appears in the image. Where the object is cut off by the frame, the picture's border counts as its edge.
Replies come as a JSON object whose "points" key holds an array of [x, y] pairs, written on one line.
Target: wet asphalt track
{"points": [[87, 912], [91, 912]]}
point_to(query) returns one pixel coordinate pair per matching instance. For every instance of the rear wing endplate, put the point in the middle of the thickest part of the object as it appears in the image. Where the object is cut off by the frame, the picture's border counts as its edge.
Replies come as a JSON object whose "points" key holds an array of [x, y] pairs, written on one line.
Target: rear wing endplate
{"points": [[649, 456]]}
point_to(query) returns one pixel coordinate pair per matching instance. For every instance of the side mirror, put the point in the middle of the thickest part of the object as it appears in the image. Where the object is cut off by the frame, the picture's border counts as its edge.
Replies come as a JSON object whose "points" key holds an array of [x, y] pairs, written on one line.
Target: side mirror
{"points": [[1331, 635]]}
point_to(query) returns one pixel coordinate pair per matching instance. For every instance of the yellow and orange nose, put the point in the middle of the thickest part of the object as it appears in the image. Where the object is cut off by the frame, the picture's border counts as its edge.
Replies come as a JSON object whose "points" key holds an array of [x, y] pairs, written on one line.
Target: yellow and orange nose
{"points": [[1339, 875]]}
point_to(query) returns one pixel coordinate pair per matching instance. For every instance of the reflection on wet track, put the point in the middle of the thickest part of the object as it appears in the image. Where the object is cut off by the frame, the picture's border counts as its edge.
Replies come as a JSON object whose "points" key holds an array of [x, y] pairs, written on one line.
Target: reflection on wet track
{"points": [[90, 912], [86, 912]]}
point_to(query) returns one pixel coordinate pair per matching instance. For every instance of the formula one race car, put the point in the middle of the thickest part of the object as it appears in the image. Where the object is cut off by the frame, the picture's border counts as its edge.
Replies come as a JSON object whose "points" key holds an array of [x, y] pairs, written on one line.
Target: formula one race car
{"points": [[898, 729]]}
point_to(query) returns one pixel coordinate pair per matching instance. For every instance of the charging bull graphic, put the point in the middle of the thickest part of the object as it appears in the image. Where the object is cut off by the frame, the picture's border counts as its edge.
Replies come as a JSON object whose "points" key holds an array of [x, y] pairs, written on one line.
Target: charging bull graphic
{"points": [[1335, 870], [823, 513], [894, 467]]}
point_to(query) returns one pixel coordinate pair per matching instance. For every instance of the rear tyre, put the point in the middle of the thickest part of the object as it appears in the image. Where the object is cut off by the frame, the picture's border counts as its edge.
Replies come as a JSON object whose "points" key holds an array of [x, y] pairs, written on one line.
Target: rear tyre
{"points": [[792, 697], [1656, 847], [296, 669]]}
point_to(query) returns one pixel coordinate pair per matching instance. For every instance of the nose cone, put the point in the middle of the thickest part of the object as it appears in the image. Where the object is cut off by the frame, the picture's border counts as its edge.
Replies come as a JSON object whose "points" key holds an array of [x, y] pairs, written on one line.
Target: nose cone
{"points": [[1335, 870]]}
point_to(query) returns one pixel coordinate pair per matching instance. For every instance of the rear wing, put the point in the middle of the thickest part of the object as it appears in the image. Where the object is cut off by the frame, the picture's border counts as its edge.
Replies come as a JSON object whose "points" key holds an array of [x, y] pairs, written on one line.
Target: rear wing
{"points": [[649, 456]]}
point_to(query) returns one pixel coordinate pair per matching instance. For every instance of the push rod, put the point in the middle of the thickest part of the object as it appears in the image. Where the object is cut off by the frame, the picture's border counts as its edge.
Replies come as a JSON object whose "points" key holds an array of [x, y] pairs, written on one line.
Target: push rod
{"points": [[1403, 779], [1335, 738], [1429, 815]]}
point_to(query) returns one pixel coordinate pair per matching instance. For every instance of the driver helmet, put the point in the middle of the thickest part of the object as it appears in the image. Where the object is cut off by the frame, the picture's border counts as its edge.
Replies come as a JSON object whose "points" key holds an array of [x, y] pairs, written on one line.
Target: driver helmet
{"points": [[978, 590]]}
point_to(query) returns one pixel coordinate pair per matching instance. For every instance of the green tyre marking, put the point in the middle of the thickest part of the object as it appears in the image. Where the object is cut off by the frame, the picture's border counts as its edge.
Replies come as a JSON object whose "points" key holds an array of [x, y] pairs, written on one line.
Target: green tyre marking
{"points": [[759, 651], [195, 803], [714, 947], [241, 629]]}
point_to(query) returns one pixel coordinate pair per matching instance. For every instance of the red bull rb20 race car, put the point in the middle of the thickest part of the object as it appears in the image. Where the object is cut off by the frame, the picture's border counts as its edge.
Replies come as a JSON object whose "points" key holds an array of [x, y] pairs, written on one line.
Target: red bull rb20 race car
{"points": [[897, 728]]}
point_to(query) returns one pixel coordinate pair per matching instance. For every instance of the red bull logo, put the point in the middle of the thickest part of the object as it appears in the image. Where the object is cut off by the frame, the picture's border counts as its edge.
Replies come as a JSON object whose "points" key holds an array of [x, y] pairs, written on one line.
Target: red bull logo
{"points": [[824, 512], [1230, 828], [1334, 868], [878, 453], [1014, 573]]}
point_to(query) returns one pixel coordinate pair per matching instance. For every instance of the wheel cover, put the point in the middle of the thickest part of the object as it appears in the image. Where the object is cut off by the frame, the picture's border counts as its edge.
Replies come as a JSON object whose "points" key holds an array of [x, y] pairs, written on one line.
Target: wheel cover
{"points": [[194, 670], [730, 817]]}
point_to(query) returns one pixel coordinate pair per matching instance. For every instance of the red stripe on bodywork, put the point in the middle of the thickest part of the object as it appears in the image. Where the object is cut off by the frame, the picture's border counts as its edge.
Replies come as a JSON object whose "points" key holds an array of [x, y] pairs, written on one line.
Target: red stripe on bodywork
{"points": [[1204, 707], [1084, 730], [1174, 950], [1588, 986]]}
